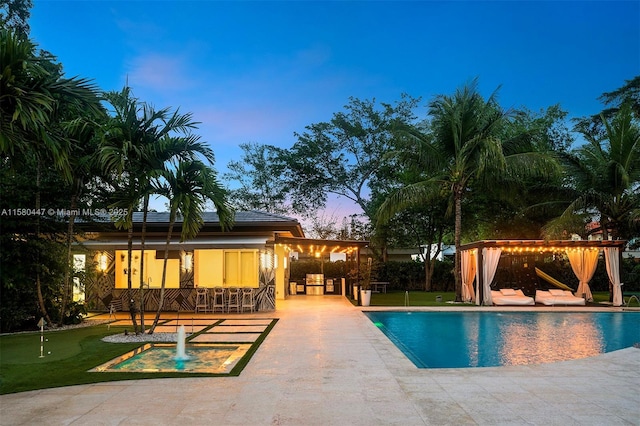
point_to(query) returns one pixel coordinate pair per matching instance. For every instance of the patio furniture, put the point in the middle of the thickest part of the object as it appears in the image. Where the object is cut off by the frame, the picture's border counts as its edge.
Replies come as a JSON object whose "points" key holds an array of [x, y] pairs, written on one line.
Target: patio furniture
{"points": [[379, 286], [558, 297], [202, 300], [248, 301], [219, 299], [234, 301], [509, 296]]}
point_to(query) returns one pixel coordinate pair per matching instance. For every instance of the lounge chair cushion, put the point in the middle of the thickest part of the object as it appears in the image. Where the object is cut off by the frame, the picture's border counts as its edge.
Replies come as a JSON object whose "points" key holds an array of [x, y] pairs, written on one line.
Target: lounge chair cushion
{"points": [[555, 292], [508, 292]]}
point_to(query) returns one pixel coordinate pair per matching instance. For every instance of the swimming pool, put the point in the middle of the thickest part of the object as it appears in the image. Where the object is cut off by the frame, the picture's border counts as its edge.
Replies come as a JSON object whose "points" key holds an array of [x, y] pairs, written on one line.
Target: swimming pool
{"points": [[491, 339]]}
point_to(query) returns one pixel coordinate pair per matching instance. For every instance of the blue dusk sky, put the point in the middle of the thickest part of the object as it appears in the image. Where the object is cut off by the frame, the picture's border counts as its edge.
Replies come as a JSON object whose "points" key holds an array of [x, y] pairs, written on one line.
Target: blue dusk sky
{"points": [[260, 71]]}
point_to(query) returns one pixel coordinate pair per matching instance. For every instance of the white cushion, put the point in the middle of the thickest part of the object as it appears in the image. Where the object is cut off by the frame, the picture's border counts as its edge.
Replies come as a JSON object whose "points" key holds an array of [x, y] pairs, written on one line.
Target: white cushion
{"points": [[555, 292], [508, 292]]}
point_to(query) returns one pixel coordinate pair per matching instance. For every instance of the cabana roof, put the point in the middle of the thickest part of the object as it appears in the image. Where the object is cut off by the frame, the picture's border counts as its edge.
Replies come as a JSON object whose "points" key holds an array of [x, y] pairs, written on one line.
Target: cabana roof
{"points": [[542, 245]]}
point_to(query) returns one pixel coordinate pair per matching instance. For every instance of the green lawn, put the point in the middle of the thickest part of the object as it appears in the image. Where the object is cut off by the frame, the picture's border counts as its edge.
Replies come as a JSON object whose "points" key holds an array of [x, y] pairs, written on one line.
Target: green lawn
{"points": [[68, 355], [415, 298]]}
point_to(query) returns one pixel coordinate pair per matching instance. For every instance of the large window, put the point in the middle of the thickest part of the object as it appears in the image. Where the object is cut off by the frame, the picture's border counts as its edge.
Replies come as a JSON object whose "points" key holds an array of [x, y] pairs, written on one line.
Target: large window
{"points": [[227, 268], [153, 268], [241, 268]]}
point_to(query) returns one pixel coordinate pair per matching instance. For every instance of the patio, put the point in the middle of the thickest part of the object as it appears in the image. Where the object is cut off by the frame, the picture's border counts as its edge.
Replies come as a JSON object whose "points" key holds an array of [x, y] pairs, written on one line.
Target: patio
{"points": [[325, 363]]}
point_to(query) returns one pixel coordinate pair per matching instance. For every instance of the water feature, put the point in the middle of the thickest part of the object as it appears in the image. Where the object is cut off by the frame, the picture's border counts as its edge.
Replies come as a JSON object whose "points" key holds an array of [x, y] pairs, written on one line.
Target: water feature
{"points": [[181, 354], [213, 358]]}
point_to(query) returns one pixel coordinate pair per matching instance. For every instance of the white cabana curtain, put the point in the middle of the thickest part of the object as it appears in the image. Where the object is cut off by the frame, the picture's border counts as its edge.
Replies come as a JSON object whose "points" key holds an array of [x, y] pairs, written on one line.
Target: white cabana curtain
{"points": [[583, 262], [468, 266], [612, 260], [490, 257]]}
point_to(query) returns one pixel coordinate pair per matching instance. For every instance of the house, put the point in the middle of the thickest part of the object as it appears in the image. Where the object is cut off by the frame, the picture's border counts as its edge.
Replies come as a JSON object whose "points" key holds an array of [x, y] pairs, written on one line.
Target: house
{"points": [[254, 253]]}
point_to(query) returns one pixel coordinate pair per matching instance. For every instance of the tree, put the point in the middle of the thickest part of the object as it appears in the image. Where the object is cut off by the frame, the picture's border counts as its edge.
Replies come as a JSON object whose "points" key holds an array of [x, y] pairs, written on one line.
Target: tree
{"points": [[14, 14], [188, 187], [139, 143], [461, 151], [259, 173], [605, 177], [33, 97], [342, 156], [31, 93], [464, 148], [82, 132], [522, 203], [628, 94]]}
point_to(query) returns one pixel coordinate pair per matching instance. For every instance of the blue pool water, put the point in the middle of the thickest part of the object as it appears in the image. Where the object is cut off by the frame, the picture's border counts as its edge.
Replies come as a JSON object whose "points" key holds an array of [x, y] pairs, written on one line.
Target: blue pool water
{"points": [[490, 339]]}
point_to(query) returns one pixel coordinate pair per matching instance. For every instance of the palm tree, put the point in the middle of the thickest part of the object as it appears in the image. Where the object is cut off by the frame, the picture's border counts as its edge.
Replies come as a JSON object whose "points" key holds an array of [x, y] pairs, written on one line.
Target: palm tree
{"points": [[137, 143], [605, 177], [461, 151], [188, 187], [463, 148], [32, 96]]}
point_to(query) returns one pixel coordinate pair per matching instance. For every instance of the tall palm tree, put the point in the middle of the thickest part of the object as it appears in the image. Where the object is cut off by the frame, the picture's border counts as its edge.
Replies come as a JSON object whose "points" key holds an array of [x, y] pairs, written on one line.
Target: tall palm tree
{"points": [[138, 144], [32, 96], [463, 148], [188, 187], [460, 151], [605, 177]]}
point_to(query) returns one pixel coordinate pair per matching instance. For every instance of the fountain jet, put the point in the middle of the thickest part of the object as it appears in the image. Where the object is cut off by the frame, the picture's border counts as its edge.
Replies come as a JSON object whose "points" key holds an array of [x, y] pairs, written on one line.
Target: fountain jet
{"points": [[181, 354]]}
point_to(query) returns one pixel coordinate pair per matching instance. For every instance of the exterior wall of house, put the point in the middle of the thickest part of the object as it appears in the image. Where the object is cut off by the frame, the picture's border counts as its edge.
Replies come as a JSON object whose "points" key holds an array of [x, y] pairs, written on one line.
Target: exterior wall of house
{"points": [[106, 277]]}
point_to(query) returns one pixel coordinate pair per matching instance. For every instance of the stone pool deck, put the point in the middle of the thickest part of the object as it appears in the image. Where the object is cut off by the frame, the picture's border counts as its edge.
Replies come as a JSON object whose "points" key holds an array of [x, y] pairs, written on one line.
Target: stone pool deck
{"points": [[325, 363]]}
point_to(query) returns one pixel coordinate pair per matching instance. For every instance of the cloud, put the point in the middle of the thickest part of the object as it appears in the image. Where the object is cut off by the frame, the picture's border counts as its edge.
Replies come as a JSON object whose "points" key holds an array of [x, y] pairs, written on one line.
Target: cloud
{"points": [[160, 73]]}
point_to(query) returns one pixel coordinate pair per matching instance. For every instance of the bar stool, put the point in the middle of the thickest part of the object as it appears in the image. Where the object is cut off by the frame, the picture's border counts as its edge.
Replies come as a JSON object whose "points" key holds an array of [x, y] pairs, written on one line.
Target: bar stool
{"points": [[219, 299], [234, 300], [202, 299], [247, 299]]}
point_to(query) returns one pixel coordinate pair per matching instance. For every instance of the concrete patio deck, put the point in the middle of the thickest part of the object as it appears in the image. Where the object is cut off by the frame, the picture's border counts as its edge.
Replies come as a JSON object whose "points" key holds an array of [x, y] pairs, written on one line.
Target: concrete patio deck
{"points": [[325, 363]]}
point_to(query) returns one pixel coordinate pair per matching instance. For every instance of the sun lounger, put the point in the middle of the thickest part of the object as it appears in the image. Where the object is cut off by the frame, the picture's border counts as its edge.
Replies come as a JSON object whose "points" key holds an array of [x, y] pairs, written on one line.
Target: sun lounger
{"points": [[557, 297], [509, 296]]}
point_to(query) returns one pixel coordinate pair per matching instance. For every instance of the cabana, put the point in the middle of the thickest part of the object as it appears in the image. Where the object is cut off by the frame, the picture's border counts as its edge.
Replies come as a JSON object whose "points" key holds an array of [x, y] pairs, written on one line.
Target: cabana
{"points": [[479, 261]]}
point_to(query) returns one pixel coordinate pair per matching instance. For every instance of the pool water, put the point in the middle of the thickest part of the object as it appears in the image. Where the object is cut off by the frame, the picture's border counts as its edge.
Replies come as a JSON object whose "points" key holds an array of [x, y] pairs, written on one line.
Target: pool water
{"points": [[491, 339]]}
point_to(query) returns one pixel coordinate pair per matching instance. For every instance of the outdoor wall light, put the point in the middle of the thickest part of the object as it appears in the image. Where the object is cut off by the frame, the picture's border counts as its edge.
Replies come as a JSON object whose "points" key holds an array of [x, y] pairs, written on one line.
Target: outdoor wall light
{"points": [[102, 262], [187, 261]]}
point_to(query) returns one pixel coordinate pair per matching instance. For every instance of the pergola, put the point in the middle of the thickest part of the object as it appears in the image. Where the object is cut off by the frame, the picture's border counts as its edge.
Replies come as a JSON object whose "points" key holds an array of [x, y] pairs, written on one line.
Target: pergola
{"points": [[318, 247], [479, 261]]}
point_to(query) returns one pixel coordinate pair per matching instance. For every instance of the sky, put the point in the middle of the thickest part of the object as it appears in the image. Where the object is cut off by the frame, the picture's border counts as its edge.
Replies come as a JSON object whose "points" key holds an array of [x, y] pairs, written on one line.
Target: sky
{"points": [[258, 71]]}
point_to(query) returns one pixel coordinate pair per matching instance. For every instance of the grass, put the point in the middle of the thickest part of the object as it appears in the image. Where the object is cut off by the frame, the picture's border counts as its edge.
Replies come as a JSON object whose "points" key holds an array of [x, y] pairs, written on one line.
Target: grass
{"points": [[416, 298], [69, 354]]}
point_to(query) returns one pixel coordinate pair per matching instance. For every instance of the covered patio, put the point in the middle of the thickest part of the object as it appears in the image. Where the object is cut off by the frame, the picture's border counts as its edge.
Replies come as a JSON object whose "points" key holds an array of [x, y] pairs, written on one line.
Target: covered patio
{"points": [[479, 262]]}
